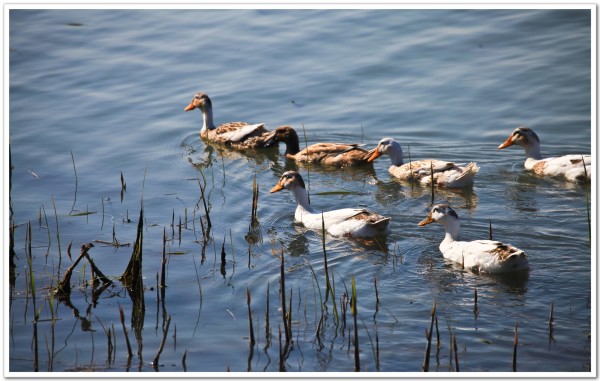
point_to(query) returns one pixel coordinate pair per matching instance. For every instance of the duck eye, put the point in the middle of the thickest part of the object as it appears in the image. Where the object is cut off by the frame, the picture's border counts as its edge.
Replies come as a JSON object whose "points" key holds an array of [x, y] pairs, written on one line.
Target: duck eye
{"points": [[435, 210]]}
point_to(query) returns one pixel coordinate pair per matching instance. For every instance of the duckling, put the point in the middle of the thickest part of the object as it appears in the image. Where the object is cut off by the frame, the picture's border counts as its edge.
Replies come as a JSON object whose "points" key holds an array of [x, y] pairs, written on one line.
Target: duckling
{"points": [[570, 167], [340, 222], [445, 173], [484, 256], [239, 135], [338, 154]]}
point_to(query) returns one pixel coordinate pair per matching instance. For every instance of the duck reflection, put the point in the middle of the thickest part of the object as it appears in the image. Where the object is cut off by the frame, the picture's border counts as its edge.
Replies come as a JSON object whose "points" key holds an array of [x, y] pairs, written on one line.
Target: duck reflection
{"points": [[448, 277], [396, 191]]}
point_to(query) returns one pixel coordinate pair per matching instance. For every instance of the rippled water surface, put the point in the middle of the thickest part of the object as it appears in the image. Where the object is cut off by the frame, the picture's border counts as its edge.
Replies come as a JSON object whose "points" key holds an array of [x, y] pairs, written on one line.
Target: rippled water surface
{"points": [[99, 94]]}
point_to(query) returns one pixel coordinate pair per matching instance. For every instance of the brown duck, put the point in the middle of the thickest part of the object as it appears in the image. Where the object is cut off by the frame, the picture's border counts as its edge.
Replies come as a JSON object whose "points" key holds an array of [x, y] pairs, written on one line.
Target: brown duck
{"points": [[338, 154]]}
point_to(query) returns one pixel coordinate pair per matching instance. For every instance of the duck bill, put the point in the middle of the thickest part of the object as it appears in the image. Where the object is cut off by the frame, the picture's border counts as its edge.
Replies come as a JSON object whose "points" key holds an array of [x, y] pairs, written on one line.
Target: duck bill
{"points": [[374, 156], [426, 221], [509, 142], [189, 107], [276, 188]]}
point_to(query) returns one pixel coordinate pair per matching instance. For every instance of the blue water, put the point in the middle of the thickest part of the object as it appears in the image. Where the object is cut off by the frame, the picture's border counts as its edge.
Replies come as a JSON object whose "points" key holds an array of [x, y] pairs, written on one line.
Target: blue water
{"points": [[104, 90]]}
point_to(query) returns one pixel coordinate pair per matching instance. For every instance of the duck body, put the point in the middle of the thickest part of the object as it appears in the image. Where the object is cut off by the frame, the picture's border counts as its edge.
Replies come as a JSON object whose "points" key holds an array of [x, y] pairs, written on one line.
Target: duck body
{"points": [[340, 222], [337, 154], [445, 173], [574, 168], [484, 256], [239, 135]]}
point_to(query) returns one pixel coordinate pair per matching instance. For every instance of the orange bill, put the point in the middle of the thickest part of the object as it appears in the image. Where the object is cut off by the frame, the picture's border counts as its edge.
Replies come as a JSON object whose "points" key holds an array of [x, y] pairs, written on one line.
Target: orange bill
{"points": [[507, 143], [426, 221], [374, 156], [189, 107], [277, 188]]}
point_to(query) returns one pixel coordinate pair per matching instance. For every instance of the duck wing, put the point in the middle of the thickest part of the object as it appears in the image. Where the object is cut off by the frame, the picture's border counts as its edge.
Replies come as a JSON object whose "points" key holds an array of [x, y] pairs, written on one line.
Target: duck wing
{"points": [[570, 166], [445, 173], [487, 256], [455, 177], [340, 154], [237, 132]]}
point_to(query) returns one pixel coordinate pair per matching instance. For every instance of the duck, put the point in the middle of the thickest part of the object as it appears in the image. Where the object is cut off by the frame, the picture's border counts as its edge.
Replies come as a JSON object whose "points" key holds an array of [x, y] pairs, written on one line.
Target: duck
{"points": [[445, 173], [574, 168], [349, 222], [240, 135], [483, 256], [336, 154]]}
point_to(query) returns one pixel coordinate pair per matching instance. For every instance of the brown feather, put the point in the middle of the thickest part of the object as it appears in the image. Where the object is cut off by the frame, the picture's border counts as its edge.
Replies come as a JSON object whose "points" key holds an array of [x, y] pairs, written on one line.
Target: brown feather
{"points": [[539, 167]]}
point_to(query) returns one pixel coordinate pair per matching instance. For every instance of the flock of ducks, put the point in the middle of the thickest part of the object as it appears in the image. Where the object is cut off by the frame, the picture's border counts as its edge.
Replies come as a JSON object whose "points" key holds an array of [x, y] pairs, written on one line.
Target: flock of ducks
{"points": [[480, 255]]}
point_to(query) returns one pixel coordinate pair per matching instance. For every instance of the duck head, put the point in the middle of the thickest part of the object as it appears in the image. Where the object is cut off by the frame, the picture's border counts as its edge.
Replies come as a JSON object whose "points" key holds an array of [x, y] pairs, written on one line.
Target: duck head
{"points": [[387, 146], [521, 136], [287, 135], [289, 180], [201, 101], [439, 213]]}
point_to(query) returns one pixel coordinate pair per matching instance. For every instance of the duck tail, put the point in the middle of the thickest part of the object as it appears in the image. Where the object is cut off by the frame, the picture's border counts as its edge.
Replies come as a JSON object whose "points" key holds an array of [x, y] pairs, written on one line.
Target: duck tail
{"points": [[381, 224], [466, 177]]}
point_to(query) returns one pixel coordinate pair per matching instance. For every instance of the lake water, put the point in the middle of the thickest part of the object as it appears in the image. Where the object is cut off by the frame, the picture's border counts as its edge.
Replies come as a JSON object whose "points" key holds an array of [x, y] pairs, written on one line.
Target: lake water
{"points": [[99, 94]]}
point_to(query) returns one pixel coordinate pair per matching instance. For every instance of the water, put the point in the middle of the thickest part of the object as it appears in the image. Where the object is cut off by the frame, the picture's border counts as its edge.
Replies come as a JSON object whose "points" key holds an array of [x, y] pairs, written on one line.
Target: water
{"points": [[109, 87]]}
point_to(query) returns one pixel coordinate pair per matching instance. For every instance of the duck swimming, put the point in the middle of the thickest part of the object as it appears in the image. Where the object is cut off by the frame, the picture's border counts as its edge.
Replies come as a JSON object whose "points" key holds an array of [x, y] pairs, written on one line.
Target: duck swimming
{"points": [[484, 256], [445, 173], [569, 166], [340, 222], [240, 135], [338, 154]]}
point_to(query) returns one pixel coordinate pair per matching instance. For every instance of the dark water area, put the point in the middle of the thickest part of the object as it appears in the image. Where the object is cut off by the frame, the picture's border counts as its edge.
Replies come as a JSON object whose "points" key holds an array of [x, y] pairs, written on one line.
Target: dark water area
{"points": [[99, 94]]}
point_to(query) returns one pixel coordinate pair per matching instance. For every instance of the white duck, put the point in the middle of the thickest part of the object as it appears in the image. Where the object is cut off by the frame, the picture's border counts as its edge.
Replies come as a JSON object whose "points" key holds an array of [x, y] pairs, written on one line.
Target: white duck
{"points": [[445, 173], [341, 222], [484, 256], [569, 166]]}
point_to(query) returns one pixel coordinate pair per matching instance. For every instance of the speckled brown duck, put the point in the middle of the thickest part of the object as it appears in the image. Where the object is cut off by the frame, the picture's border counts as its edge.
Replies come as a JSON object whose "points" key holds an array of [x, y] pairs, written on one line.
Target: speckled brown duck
{"points": [[337, 154], [239, 135]]}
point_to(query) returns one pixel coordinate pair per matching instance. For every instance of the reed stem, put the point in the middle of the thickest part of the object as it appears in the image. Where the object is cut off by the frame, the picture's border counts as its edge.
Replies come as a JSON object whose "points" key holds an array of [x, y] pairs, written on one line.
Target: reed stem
{"points": [[455, 354], [122, 318], [515, 344], [162, 344], [432, 185], [248, 300], [354, 309], [76, 181], [428, 347]]}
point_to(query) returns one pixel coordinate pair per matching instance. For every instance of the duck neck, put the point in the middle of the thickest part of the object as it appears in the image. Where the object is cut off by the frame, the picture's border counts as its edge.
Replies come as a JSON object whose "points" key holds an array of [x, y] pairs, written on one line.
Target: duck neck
{"points": [[396, 155], [452, 228], [292, 144], [207, 119], [302, 199], [533, 152]]}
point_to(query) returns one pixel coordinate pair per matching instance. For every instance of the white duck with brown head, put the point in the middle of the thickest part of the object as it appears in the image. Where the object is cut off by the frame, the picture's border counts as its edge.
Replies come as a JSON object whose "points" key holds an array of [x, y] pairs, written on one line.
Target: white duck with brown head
{"points": [[485, 256], [569, 166], [340, 222]]}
